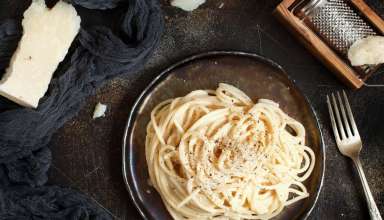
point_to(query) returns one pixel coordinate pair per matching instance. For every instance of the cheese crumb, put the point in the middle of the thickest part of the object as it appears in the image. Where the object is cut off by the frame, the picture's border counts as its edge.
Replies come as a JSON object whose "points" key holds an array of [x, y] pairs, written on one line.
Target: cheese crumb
{"points": [[47, 36], [369, 50], [187, 5], [100, 110]]}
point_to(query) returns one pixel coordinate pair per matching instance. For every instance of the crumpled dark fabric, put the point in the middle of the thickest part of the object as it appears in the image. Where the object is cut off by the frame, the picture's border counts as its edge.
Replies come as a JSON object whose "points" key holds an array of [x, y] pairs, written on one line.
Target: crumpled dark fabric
{"points": [[96, 4], [47, 202], [96, 55]]}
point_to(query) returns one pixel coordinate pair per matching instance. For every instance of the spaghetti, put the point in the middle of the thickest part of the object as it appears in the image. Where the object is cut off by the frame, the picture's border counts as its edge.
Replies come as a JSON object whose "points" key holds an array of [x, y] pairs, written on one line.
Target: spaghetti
{"points": [[217, 155]]}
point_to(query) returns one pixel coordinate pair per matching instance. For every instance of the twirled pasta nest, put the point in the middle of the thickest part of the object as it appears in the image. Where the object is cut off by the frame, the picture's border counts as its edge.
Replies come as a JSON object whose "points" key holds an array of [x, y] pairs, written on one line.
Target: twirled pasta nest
{"points": [[217, 155]]}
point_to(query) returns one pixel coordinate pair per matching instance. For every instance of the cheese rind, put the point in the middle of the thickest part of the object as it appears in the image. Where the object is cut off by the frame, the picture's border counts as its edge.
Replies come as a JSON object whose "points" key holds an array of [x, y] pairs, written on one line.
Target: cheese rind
{"points": [[47, 36]]}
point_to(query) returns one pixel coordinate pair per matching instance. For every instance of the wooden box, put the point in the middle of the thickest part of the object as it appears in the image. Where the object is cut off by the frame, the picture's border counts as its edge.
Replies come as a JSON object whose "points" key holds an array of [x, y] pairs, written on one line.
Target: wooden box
{"points": [[337, 64]]}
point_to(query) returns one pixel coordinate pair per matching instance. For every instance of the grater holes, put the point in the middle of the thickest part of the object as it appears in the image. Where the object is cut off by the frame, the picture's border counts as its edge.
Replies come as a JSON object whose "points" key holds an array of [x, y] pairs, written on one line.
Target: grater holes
{"points": [[340, 25]]}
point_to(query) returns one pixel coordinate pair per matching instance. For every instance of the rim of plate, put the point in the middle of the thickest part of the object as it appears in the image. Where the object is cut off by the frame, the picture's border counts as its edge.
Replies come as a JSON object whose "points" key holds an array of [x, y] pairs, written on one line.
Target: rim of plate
{"points": [[126, 168]]}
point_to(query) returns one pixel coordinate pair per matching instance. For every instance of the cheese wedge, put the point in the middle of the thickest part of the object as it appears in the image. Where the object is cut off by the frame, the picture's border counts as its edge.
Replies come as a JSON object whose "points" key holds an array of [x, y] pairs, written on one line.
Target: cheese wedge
{"points": [[187, 5], [369, 50], [47, 36]]}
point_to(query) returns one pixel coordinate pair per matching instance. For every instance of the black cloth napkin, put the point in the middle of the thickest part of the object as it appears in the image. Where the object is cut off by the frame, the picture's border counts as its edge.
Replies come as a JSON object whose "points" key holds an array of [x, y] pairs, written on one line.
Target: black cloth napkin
{"points": [[97, 55]]}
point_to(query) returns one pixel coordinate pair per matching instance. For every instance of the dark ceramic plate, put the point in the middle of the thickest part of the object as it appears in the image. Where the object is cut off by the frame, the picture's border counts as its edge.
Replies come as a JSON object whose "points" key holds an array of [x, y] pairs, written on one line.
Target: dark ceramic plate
{"points": [[258, 77]]}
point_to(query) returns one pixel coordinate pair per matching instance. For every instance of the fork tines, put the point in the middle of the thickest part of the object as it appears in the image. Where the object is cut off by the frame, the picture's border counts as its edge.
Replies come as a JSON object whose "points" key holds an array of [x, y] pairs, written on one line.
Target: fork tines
{"points": [[344, 125]]}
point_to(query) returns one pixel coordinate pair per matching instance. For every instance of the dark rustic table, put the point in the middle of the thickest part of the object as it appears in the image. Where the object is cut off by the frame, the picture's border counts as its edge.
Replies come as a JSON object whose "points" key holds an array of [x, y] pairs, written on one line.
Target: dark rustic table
{"points": [[87, 153]]}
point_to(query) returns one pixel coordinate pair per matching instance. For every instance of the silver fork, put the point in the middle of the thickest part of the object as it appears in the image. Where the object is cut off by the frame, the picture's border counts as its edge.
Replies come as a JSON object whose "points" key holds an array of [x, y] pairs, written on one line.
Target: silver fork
{"points": [[349, 142]]}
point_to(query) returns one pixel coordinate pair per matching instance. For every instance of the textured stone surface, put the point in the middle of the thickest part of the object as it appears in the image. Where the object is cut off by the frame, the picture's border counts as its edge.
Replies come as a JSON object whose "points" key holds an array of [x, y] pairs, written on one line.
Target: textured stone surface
{"points": [[87, 153]]}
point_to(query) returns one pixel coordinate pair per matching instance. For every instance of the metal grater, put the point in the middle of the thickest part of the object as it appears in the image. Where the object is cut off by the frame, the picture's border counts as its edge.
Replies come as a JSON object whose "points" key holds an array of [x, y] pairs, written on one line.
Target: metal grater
{"points": [[336, 22]]}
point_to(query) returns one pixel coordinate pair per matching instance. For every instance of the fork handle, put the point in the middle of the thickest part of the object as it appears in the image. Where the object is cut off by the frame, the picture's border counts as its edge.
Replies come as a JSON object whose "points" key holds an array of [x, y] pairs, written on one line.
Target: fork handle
{"points": [[373, 210]]}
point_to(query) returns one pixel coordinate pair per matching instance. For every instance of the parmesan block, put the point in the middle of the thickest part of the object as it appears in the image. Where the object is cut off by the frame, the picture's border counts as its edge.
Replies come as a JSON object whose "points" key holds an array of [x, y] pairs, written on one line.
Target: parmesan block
{"points": [[369, 50], [187, 5], [47, 36]]}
